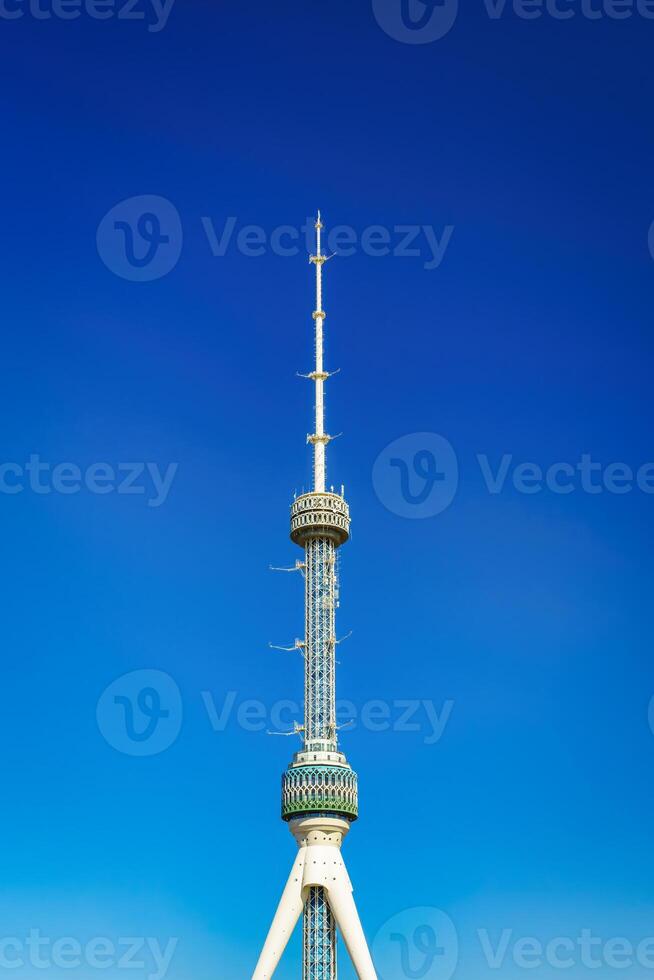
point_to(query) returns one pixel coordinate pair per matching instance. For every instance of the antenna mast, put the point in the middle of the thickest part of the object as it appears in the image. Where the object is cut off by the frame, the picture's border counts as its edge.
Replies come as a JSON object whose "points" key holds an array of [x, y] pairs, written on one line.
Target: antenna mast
{"points": [[319, 439]]}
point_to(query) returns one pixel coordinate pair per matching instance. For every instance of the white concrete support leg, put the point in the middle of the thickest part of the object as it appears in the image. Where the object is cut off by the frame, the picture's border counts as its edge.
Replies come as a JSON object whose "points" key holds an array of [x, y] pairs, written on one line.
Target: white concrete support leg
{"points": [[341, 902], [319, 864], [288, 913], [320, 839]]}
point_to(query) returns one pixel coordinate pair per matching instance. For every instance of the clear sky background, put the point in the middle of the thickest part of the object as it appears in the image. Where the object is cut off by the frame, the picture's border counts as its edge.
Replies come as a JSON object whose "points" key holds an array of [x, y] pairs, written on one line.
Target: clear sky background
{"points": [[526, 617]]}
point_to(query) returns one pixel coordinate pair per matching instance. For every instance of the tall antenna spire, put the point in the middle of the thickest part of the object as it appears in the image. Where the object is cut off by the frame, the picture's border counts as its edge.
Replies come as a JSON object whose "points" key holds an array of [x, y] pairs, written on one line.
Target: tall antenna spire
{"points": [[319, 439]]}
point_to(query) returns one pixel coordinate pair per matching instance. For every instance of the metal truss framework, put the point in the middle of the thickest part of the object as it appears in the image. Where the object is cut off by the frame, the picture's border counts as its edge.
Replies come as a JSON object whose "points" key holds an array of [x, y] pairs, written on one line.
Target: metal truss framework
{"points": [[320, 679], [319, 946]]}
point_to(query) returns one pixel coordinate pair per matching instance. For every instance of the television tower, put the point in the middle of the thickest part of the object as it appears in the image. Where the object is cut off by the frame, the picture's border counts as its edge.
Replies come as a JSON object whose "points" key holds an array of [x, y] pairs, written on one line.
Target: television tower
{"points": [[319, 788]]}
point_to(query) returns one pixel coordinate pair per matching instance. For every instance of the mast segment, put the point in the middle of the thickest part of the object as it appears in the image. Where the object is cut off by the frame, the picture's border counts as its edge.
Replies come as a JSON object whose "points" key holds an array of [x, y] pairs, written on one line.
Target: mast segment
{"points": [[319, 438]]}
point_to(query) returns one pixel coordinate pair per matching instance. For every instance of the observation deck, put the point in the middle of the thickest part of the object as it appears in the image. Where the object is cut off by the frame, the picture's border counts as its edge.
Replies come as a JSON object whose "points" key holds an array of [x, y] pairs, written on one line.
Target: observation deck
{"points": [[320, 515], [320, 787]]}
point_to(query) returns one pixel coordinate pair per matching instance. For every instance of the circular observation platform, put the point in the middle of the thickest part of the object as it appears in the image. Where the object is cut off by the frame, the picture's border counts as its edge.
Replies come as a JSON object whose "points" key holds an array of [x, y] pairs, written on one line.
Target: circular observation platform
{"points": [[320, 789], [320, 515]]}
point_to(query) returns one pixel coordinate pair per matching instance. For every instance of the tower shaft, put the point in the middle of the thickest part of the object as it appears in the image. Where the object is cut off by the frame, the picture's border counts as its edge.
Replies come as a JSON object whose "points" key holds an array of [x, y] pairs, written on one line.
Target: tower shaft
{"points": [[320, 643], [319, 788], [319, 938]]}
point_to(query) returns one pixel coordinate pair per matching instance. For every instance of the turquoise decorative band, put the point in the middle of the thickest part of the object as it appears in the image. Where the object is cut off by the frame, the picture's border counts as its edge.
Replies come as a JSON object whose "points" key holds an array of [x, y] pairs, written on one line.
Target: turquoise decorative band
{"points": [[320, 789]]}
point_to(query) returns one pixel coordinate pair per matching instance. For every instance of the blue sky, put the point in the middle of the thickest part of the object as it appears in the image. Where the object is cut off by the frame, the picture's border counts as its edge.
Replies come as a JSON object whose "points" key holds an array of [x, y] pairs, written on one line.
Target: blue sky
{"points": [[520, 621]]}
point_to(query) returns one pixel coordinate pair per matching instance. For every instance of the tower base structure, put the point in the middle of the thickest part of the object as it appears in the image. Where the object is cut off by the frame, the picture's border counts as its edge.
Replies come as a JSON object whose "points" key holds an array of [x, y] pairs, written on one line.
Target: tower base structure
{"points": [[319, 865]]}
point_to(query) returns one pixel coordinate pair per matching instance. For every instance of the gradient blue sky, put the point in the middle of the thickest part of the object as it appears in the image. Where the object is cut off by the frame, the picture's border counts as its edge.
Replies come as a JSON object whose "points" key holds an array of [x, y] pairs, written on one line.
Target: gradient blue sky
{"points": [[532, 613]]}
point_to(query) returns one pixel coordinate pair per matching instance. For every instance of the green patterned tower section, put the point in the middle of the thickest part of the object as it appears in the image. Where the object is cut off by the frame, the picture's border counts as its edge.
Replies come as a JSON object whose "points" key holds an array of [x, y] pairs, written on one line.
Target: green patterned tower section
{"points": [[309, 788]]}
